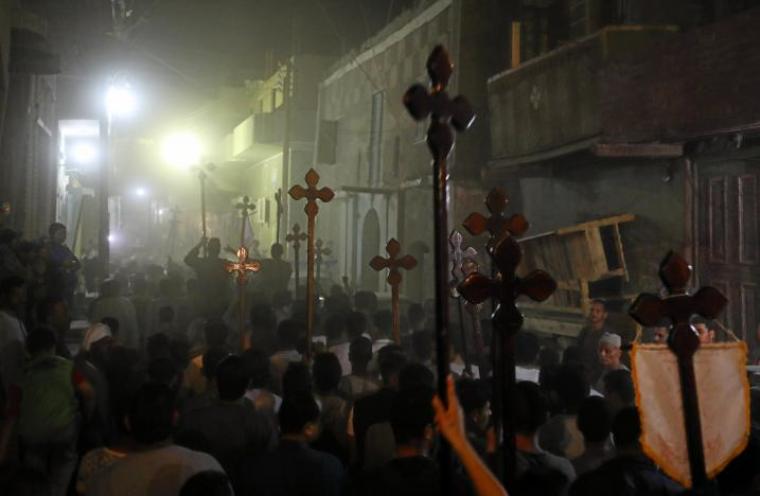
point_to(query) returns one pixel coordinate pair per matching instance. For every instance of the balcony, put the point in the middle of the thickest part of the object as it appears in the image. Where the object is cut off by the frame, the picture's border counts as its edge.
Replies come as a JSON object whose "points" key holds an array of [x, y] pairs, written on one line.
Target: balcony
{"points": [[257, 138], [553, 105]]}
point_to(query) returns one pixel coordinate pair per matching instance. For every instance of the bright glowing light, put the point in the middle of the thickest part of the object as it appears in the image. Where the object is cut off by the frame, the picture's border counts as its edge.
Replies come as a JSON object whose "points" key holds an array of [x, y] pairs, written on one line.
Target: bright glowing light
{"points": [[161, 211], [121, 101], [83, 153], [141, 192], [112, 238], [182, 150]]}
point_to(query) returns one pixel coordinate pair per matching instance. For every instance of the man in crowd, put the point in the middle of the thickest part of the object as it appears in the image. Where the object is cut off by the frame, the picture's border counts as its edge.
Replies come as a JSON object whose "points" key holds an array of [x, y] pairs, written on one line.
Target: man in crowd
{"points": [[62, 264], [588, 339], [610, 355], [211, 274], [12, 330]]}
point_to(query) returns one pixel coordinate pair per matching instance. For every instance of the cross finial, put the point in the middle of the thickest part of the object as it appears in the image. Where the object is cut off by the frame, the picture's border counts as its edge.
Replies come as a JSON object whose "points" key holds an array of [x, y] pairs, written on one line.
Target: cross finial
{"points": [[311, 193], [296, 236], [434, 102], [678, 306], [320, 250], [245, 206], [497, 224], [242, 266], [507, 286], [459, 255], [393, 263]]}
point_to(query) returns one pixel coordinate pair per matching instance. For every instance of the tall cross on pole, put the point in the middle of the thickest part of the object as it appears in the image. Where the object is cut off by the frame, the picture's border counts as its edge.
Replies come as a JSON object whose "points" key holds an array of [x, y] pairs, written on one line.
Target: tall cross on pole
{"points": [[505, 288], [433, 102], [242, 267], [311, 194], [295, 237], [393, 263], [278, 205], [202, 178], [679, 306], [246, 208], [319, 252], [458, 257]]}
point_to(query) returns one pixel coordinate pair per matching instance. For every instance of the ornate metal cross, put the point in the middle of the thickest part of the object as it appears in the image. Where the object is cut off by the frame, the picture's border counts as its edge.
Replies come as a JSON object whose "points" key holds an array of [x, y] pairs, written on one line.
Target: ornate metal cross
{"points": [[241, 268], [278, 205], [246, 208], [295, 237], [311, 194], [319, 253], [457, 257], [505, 287], [679, 306], [444, 112], [393, 263]]}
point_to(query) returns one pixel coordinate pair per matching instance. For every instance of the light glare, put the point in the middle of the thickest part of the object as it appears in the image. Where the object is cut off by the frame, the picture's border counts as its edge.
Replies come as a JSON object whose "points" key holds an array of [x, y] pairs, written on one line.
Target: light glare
{"points": [[182, 150], [121, 101], [84, 153]]}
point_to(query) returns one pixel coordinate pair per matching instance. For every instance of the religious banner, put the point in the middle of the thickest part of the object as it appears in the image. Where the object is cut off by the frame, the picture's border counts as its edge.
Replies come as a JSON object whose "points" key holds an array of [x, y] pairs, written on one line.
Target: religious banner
{"points": [[723, 395]]}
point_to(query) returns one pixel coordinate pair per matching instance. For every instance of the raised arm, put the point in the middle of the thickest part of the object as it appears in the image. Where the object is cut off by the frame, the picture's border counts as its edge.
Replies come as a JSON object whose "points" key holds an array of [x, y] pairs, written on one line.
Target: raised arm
{"points": [[450, 424]]}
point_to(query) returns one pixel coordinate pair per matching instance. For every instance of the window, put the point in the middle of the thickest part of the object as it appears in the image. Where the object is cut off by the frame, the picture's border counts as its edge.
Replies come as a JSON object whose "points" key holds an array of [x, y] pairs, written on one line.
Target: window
{"points": [[327, 142]]}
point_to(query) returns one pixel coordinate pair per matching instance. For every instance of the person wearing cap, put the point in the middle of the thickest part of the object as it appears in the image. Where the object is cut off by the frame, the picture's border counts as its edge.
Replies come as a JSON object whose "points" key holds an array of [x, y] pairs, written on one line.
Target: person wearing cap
{"points": [[588, 339], [92, 362], [610, 354]]}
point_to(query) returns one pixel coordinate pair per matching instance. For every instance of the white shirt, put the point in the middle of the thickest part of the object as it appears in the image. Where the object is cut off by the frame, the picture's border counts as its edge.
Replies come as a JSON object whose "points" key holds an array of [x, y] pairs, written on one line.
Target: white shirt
{"points": [[156, 472], [12, 352], [529, 374]]}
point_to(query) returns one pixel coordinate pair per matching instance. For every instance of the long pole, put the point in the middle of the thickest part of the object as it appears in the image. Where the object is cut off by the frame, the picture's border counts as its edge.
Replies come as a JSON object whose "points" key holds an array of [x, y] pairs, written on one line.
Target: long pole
{"points": [[396, 312], [104, 220], [297, 270], [440, 190], [202, 178], [310, 284]]}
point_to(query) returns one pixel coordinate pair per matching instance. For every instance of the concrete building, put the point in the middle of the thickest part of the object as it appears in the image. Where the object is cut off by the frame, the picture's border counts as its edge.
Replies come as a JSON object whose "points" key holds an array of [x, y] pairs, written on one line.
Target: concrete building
{"points": [[374, 155], [599, 127]]}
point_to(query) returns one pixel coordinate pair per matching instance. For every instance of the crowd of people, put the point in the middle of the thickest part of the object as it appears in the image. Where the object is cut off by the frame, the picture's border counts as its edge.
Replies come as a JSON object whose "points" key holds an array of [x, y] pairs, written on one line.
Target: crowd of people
{"points": [[156, 397]]}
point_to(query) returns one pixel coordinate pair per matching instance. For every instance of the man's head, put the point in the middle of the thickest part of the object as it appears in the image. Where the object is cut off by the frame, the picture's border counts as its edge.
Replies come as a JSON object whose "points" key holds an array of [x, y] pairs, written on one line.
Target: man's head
{"points": [[598, 314], [704, 332], [416, 316], [414, 376], [113, 325], [41, 341], [526, 349], [166, 315], [257, 369], [360, 354], [626, 429], [531, 408], [289, 333], [299, 417], [365, 301], [231, 379], [151, 417], [215, 332], [383, 320], [277, 251], [296, 381], [211, 360], [356, 325], [391, 362], [57, 233], [609, 351], [618, 390], [422, 345], [594, 419], [334, 328], [412, 419], [327, 372], [13, 292], [476, 405], [214, 247], [571, 386]]}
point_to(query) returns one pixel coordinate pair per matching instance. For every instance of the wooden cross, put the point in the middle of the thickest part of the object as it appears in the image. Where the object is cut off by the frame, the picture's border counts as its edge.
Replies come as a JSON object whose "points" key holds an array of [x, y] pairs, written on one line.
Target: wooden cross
{"points": [[311, 194], [202, 179], [295, 237], [422, 102], [457, 258], [319, 252], [505, 287], [679, 306], [246, 208], [242, 267], [497, 224], [393, 263]]}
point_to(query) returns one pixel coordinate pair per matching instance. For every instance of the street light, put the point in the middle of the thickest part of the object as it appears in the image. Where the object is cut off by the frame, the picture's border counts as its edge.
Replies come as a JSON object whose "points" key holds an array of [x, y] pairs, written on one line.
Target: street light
{"points": [[141, 192], [83, 153], [182, 150], [120, 101]]}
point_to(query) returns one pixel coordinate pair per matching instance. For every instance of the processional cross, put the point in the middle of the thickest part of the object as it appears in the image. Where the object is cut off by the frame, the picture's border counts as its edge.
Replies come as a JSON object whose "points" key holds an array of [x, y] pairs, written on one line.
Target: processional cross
{"points": [[393, 263], [679, 306], [295, 237], [320, 251], [311, 194], [422, 102], [459, 257], [246, 208], [242, 267], [505, 287]]}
